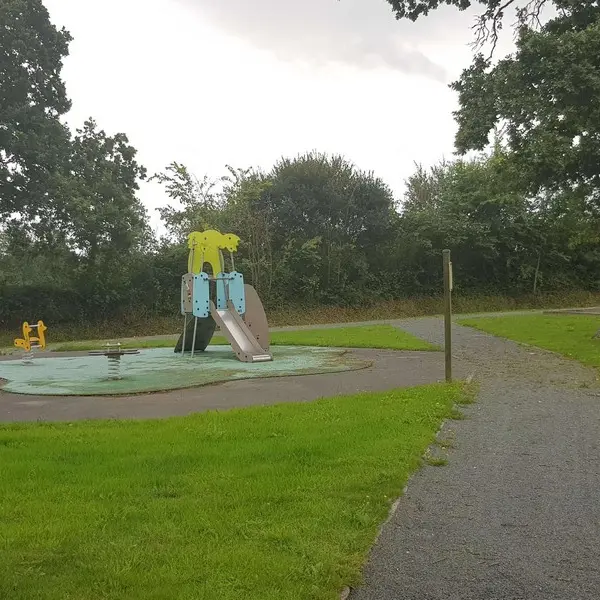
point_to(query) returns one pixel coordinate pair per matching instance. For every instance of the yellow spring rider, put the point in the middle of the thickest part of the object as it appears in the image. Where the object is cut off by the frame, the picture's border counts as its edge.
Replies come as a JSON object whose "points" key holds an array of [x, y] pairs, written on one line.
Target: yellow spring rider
{"points": [[29, 343]]}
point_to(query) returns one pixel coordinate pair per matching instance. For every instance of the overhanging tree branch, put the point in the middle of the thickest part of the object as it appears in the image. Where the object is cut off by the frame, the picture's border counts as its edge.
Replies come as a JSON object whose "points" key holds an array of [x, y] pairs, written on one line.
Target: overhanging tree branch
{"points": [[488, 25]]}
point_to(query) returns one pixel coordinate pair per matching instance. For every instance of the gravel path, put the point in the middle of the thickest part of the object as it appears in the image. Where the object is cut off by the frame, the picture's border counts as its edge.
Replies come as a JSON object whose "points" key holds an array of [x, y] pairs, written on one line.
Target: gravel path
{"points": [[515, 514]]}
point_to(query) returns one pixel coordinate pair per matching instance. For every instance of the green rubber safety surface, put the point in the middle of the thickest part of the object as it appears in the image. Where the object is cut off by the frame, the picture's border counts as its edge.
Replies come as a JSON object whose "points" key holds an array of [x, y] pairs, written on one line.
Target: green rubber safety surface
{"points": [[160, 369]]}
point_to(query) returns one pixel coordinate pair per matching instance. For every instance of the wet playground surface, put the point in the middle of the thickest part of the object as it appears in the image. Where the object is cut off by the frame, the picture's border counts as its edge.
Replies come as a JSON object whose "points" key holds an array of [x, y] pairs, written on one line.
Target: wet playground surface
{"points": [[160, 369], [373, 370]]}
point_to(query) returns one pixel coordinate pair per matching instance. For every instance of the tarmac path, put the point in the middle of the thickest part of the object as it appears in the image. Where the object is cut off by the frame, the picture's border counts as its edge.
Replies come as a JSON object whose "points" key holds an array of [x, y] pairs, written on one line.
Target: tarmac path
{"points": [[390, 369]]}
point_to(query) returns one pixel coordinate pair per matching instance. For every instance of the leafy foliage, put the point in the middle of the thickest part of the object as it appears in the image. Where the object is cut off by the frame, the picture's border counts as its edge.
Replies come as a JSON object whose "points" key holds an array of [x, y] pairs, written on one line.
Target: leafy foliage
{"points": [[520, 218], [33, 141], [540, 104], [103, 216], [311, 226], [199, 201], [296, 250], [542, 96], [72, 226]]}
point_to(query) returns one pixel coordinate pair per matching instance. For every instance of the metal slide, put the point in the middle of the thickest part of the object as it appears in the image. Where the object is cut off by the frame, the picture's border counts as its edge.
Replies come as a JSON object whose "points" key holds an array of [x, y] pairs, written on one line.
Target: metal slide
{"points": [[242, 341]]}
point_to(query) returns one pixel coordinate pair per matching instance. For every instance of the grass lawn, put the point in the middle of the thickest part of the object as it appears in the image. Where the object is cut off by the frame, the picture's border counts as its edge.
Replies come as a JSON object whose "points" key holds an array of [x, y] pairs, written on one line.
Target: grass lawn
{"points": [[374, 336], [569, 335], [270, 503], [368, 336]]}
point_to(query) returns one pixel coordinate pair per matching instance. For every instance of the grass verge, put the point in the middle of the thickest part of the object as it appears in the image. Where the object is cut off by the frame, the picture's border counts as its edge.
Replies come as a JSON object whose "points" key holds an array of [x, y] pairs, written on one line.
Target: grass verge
{"points": [[280, 502], [372, 336], [569, 335], [368, 336]]}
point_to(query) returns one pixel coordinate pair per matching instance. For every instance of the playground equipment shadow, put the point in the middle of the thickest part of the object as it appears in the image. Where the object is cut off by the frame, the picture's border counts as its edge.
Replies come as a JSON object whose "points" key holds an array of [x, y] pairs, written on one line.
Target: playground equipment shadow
{"points": [[388, 370]]}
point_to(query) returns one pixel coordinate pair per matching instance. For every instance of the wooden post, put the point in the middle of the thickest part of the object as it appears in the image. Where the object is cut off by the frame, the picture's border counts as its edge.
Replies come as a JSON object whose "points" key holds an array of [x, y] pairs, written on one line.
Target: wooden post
{"points": [[448, 313]]}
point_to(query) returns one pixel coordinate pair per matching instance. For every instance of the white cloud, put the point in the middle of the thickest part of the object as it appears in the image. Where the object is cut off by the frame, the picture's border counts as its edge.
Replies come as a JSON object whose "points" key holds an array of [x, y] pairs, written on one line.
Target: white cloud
{"points": [[361, 33], [208, 82]]}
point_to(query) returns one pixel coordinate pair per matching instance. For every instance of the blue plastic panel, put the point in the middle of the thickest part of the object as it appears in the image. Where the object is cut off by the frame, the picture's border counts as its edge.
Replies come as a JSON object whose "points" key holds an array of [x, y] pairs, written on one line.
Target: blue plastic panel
{"points": [[236, 291], [201, 308]]}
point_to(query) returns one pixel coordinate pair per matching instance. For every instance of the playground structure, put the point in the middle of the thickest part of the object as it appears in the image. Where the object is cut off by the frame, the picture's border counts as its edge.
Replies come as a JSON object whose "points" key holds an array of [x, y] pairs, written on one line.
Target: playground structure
{"points": [[220, 298], [211, 295], [29, 343]]}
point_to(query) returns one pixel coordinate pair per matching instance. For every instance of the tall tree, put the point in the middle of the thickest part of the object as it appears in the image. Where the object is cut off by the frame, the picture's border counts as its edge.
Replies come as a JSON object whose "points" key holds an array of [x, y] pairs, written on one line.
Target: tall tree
{"points": [[543, 95], [98, 207], [347, 210], [501, 238], [248, 211], [467, 207], [33, 142]]}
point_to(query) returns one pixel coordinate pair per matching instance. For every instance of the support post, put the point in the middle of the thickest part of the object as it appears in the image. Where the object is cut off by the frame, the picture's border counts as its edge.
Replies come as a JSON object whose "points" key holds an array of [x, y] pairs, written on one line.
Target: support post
{"points": [[185, 321], [194, 338], [447, 314]]}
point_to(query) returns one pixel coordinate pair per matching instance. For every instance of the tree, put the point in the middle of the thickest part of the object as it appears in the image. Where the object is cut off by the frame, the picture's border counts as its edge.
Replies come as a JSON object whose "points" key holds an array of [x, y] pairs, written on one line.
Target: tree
{"points": [[200, 200], [249, 212], [314, 225], [543, 96], [488, 24], [542, 99], [33, 142], [103, 221], [347, 212], [99, 208], [72, 225], [471, 208]]}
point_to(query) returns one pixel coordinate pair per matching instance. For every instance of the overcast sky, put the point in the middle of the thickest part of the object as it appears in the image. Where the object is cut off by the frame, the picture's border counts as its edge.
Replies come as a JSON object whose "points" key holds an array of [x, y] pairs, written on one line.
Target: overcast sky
{"points": [[215, 82]]}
